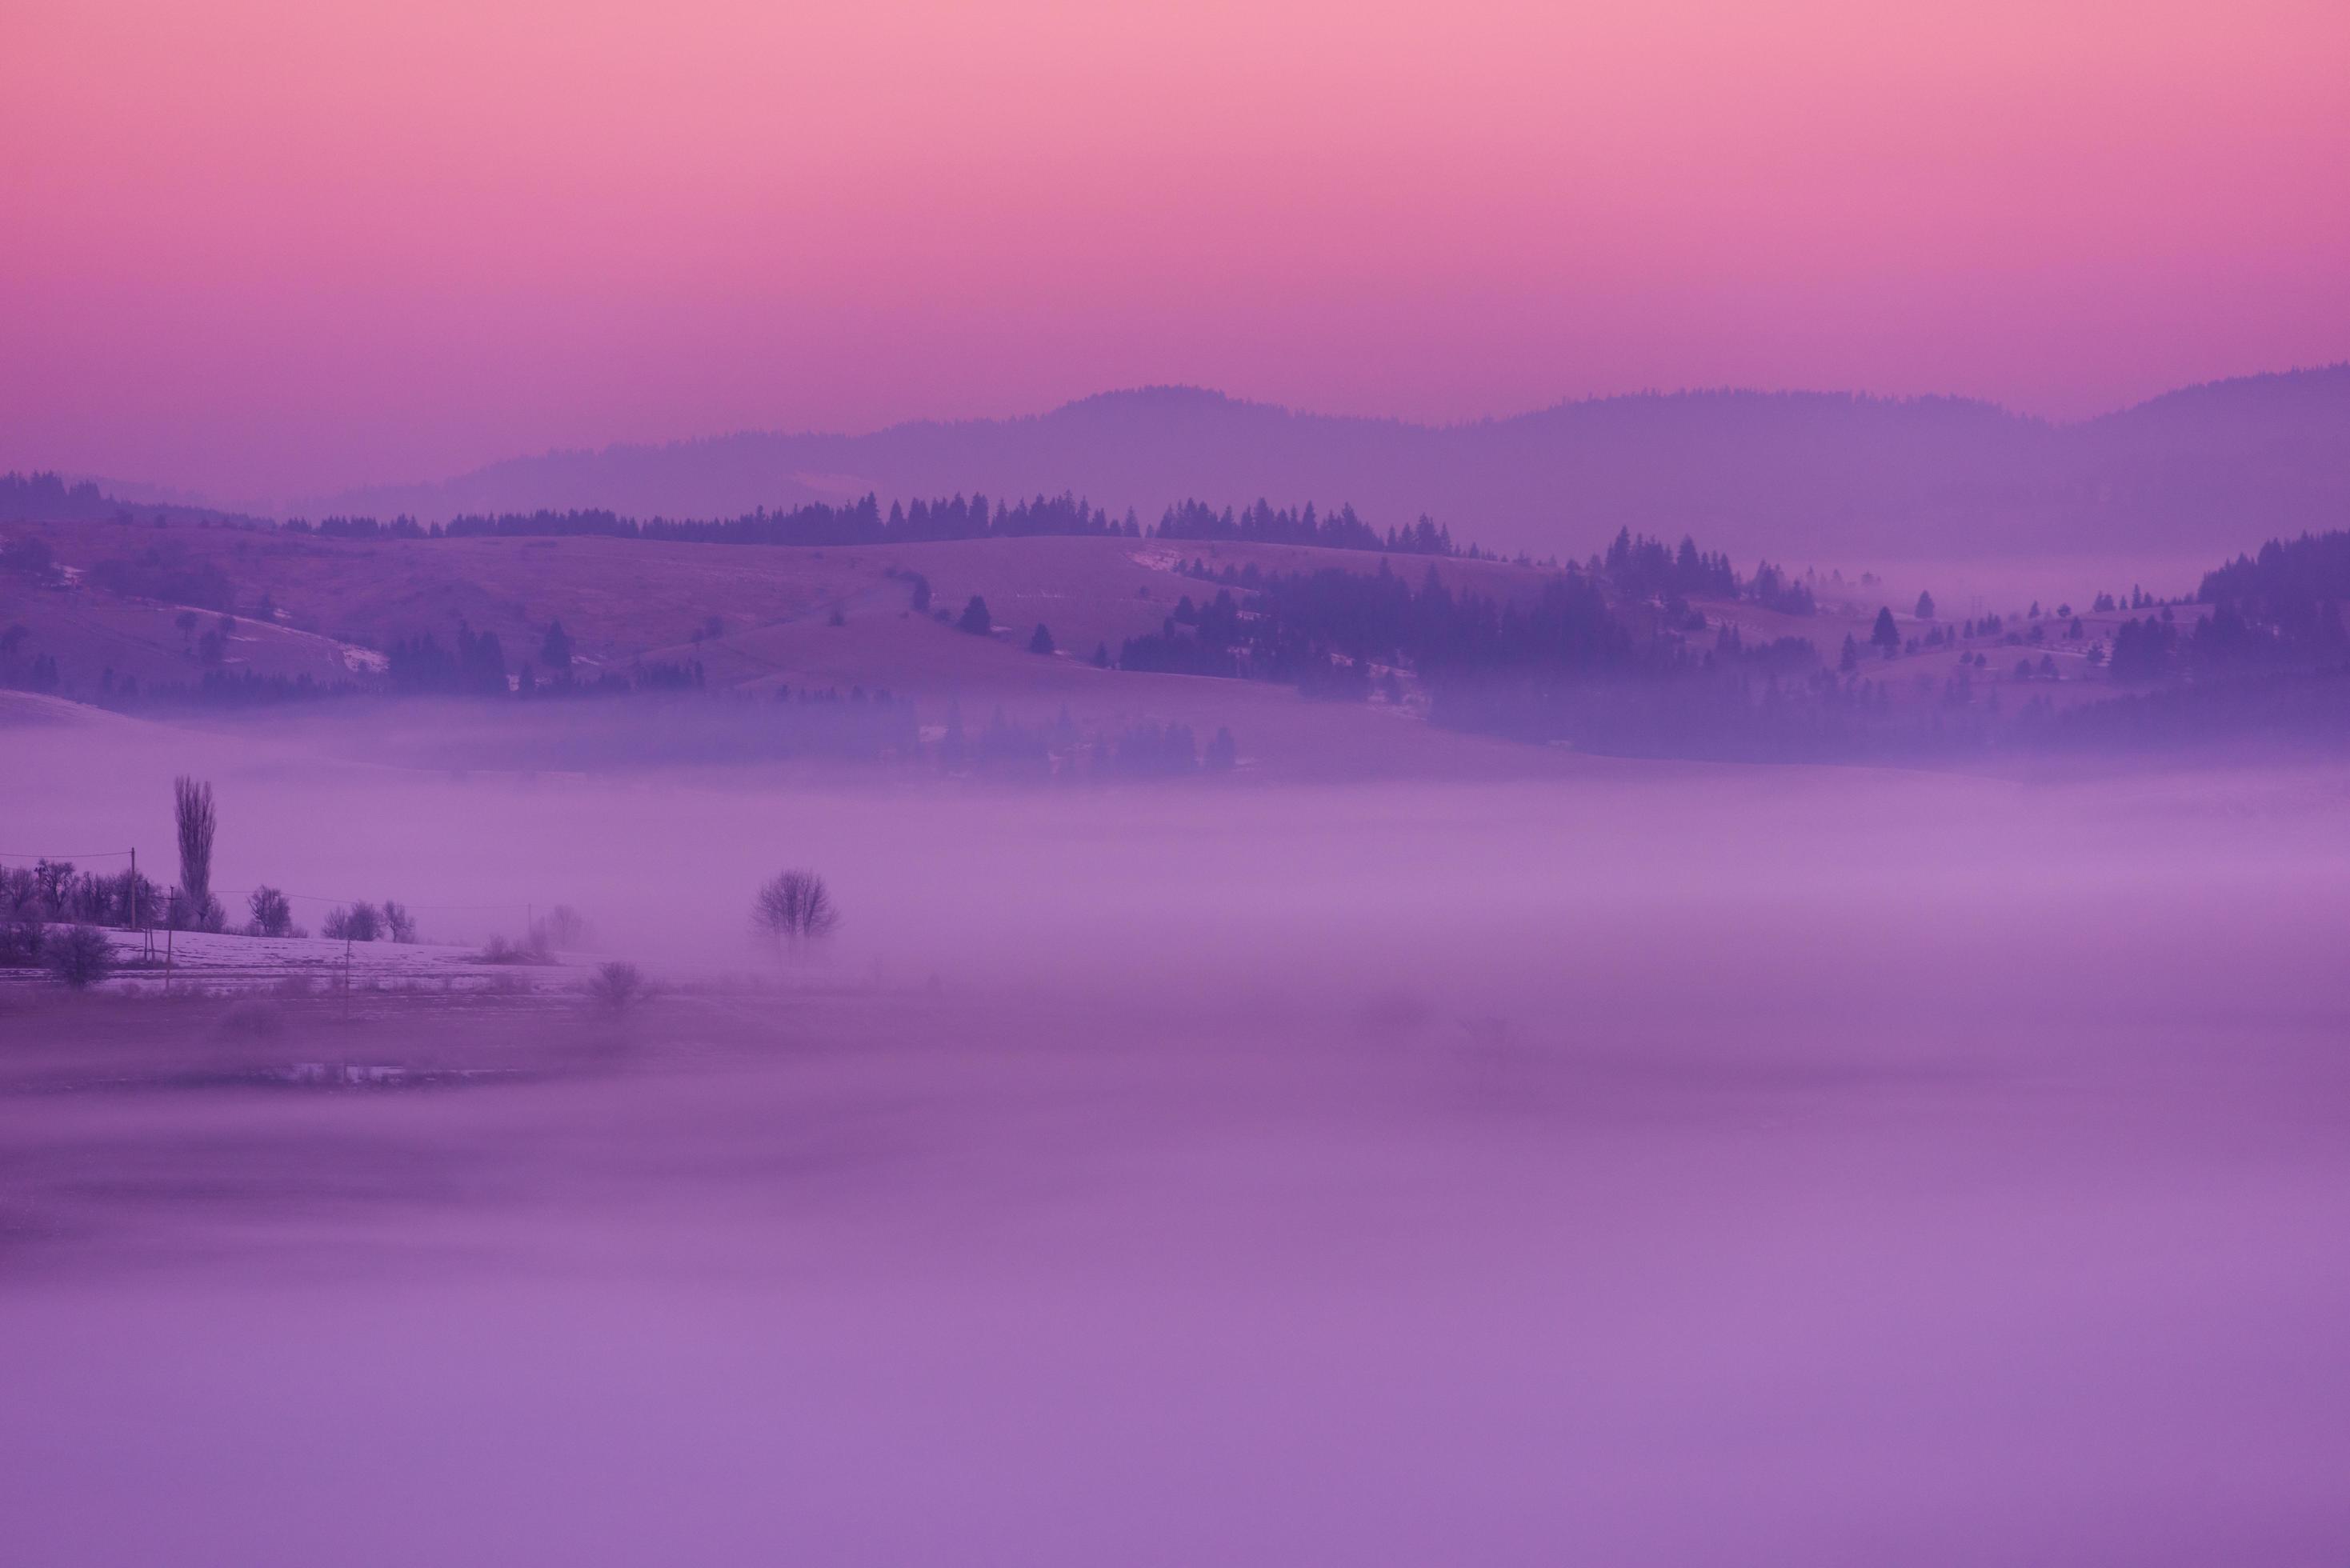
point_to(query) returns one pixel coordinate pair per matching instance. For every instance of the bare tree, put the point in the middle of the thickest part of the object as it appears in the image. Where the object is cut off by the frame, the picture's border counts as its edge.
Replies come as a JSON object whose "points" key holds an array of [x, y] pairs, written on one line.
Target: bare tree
{"points": [[192, 811], [360, 922], [796, 908], [81, 956], [563, 929], [398, 925], [616, 987], [272, 915]]}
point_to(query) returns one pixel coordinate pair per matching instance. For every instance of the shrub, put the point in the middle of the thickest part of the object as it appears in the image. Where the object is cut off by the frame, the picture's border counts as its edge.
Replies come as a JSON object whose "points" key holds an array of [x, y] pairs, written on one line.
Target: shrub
{"points": [[975, 618], [29, 556], [81, 956], [616, 987], [531, 949], [21, 940]]}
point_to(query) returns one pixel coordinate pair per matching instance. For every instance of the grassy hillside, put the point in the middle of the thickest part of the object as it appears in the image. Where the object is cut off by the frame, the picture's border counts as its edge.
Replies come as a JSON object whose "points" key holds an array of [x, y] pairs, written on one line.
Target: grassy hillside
{"points": [[758, 620], [753, 618]]}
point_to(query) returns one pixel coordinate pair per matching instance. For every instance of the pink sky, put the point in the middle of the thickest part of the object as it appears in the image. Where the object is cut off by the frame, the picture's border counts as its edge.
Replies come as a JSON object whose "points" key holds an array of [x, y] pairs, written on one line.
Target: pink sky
{"points": [[262, 247]]}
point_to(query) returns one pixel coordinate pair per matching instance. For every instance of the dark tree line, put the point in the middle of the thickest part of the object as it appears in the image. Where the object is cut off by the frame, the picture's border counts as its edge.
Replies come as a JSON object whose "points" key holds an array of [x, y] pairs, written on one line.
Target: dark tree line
{"points": [[1262, 524], [861, 522], [2283, 604], [1643, 567], [54, 890], [865, 522], [48, 498], [475, 666], [1335, 633], [1588, 659]]}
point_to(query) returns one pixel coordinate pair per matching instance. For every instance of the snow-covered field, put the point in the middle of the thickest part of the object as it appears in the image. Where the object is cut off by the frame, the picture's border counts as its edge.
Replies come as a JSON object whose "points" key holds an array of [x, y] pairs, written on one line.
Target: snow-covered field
{"points": [[223, 960], [221, 963]]}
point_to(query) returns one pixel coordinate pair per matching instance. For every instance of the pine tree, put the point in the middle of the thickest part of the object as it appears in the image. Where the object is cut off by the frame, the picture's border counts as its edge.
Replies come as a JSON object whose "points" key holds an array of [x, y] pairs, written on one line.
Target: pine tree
{"points": [[555, 650]]}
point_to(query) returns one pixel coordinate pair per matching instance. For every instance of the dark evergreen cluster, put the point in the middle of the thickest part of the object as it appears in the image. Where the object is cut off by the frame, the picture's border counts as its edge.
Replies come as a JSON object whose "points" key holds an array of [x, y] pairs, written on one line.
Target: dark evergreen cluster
{"points": [[475, 666], [46, 497], [1586, 659], [1642, 568], [1262, 524], [2143, 649], [363, 528], [1326, 631], [2285, 602]]}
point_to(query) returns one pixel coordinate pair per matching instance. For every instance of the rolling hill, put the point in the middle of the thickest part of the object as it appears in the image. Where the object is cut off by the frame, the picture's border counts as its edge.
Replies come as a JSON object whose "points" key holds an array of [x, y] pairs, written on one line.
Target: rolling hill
{"points": [[750, 620], [1800, 477]]}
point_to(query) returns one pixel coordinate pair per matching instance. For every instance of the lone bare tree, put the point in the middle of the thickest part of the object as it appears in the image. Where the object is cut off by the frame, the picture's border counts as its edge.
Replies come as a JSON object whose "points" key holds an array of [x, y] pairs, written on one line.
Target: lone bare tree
{"points": [[796, 908], [398, 925], [272, 915], [616, 987], [192, 810]]}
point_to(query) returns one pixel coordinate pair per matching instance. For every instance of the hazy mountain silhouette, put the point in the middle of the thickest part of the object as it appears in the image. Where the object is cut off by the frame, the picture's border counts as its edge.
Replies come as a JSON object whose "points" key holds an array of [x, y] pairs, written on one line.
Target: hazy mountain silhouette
{"points": [[1790, 474]]}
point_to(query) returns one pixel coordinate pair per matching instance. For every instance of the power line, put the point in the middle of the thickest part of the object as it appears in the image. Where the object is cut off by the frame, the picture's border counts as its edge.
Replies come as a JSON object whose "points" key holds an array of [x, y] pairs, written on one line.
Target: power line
{"points": [[86, 855], [325, 898], [247, 892]]}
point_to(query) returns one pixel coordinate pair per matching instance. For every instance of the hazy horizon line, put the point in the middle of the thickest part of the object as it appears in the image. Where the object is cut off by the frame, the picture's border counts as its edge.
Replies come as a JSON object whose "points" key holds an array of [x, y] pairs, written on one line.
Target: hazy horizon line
{"points": [[163, 492]]}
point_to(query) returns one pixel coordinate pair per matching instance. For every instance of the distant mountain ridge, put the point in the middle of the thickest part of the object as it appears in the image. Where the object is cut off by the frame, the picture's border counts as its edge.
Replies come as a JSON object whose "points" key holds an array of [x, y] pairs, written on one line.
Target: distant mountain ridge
{"points": [[1794, 475]]}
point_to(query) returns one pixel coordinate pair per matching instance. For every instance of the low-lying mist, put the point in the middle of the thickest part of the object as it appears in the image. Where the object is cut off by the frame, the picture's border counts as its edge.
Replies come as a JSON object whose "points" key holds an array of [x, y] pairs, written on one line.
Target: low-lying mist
{"points": [[1644, 1163], [1628, 885]]}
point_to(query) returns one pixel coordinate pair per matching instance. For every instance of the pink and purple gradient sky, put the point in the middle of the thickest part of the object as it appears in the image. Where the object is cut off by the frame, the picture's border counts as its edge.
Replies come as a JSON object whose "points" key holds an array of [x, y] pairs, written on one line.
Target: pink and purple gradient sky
{"points": [[265, 247]]}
